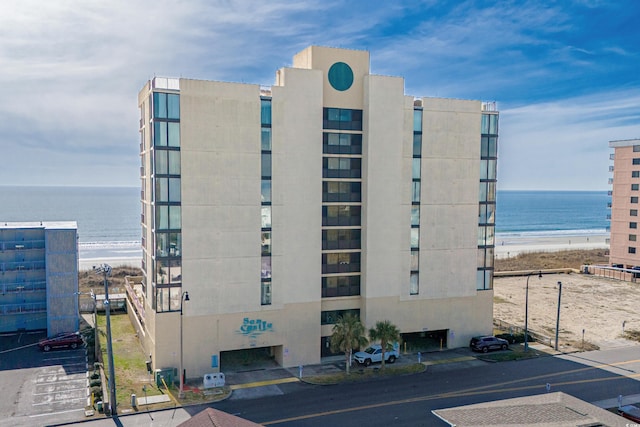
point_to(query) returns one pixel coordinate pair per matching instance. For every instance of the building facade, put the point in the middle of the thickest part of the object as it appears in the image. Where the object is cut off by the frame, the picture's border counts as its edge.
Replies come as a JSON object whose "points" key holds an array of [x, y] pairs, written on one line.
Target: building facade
{"points": [[39, 277], [624, 245], [278, 209]]}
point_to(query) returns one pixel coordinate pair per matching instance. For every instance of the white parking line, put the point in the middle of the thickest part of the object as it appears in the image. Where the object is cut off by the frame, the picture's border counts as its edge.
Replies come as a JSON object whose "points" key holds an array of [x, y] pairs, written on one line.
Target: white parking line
{"points": [[46, 414], [59, 401], [66, 390]]}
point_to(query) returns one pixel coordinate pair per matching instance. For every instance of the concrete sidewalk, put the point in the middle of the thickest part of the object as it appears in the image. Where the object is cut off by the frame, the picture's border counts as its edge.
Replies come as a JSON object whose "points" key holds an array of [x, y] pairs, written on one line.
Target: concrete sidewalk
{"points": [[263, 378]]}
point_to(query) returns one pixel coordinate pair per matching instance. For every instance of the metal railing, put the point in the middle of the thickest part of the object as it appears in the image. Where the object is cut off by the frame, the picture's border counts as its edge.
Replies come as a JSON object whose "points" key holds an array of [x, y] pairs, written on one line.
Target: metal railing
{"points": [[36, 307], [22, 265]]}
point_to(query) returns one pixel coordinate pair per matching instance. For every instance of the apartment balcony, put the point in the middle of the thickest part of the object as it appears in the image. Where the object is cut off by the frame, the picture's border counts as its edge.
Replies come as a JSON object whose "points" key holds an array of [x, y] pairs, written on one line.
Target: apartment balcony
{"points": [[36, 307], [165, 83], [612, 156], [22, 266], [610, 168], [21, 245], [15, 287]]}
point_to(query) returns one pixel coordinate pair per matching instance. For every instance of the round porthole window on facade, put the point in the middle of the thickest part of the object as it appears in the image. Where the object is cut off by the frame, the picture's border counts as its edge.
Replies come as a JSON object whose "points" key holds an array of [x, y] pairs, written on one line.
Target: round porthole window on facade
{"points": [[340, 76]]}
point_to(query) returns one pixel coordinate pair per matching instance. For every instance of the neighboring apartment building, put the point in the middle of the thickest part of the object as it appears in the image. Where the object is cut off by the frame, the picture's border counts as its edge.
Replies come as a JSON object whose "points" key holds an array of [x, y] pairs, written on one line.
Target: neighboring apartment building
{"points": [[624, 245], [39, 277], [278, 209]]}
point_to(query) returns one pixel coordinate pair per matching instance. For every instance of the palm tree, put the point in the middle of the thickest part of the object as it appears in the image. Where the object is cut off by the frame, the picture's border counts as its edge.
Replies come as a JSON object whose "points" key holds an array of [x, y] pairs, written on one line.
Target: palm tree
{"points": [[348, 333], [385, 332]]}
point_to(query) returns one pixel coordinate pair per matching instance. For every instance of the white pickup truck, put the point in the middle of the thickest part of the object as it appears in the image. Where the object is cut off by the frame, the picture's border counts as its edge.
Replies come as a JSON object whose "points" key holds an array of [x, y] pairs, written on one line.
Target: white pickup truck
{"points": [[373, 354]]}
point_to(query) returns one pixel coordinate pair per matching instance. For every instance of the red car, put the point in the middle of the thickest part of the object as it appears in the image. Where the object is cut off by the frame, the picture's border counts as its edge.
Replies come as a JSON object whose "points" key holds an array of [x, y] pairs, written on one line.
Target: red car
{"points": [[62, 340]]}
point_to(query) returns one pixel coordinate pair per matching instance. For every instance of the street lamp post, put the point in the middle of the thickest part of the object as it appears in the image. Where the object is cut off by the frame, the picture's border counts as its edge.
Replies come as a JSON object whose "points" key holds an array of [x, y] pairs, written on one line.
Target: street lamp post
{"points": [[558, 318], [526, 310], [106, 271], [183, 297]]}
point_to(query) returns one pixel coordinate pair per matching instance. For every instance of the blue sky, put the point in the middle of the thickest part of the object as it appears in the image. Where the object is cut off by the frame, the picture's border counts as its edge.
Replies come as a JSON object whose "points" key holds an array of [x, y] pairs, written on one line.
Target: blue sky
{"points": [[565, 74]]}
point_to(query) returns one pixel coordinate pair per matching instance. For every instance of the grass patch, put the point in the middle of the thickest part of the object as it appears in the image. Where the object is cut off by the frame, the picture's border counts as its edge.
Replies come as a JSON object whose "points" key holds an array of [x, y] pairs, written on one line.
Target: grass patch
{"points": [[633, 335], [358, 374], [500, 300], [549, 260], [129, 359]]}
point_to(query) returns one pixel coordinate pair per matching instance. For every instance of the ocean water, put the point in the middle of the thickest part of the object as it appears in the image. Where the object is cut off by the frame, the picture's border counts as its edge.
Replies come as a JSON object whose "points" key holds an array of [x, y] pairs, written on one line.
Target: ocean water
{"points": [[551, 213], [109, 218]]}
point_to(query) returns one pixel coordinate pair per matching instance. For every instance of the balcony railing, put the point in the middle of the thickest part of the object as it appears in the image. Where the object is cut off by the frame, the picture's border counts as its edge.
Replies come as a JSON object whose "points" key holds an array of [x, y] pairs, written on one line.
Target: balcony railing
{"points": [[23, 265], [11, 245], [36, 307], [36, 286]]}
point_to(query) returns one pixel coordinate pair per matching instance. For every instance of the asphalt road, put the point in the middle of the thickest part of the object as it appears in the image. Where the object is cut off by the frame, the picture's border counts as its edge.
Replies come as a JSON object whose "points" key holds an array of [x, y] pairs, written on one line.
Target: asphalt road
{"points": [[408, 400], [35, 386]]}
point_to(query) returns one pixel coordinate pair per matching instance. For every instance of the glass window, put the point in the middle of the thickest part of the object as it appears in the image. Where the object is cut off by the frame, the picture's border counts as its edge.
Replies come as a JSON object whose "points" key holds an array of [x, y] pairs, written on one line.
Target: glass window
{"points": [[415, 191], [173, 106], [175, 217], [636, 148], [635, 187], [266, 165], [161, 166], [175, 270], [175, 244], [265, 272], [634, 200], [266, 217], [415, 238], [266, 243], [174, 162], [417, 144], [162, 190], [416, 168], [265, 138], [174, 190], [162, 244], [632, 250], [160, 134], [633, 212], [635, 161], [162, 217], [176, 298], [162, 299], [415, 215], [265, 111], [493, 124], [484, 127], [633, 225], [417, 121], [635, 174], [413, 283], [266, 190], [632, 237], [173, 134], [415, 260], [265, 293], [160, 105], [162, 272]]}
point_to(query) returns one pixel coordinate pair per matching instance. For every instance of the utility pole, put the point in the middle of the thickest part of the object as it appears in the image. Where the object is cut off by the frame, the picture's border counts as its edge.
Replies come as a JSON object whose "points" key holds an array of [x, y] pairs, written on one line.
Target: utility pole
{"points": [[558, 317], [106, 271]]}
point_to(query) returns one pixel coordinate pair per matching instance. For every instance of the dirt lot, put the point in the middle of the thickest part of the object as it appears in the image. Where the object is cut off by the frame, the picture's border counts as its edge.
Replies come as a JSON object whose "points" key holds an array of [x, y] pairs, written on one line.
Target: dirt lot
{"points": [[597, 305]]}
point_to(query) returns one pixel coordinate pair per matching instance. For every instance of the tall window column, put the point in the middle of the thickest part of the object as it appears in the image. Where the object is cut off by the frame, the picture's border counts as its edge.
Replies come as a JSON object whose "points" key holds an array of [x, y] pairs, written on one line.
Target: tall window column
{"points": [[265, 165], [166, 187], [414, 275], [487, 200]]}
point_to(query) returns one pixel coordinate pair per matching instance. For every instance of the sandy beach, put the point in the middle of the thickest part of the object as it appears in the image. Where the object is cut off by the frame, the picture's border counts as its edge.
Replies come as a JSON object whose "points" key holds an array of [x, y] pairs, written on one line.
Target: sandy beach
{"points": [[88, 263], [505, 248], [512, 245]]}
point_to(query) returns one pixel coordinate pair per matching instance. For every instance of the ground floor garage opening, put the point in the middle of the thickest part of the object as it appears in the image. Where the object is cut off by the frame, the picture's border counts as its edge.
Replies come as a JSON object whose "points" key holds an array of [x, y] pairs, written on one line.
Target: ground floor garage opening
{"points": [[249, 359], [424, 341]]}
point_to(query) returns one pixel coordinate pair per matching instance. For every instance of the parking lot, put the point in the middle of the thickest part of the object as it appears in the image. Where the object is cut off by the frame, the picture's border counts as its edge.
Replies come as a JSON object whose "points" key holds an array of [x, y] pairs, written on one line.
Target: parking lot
{"points": [[37, 384]]}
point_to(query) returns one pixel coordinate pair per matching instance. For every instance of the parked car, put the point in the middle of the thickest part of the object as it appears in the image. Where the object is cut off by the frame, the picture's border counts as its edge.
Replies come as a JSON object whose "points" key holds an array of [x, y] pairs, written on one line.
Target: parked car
{"points": [[486, 343], [630, 412], [62, 340], [373, 354]]}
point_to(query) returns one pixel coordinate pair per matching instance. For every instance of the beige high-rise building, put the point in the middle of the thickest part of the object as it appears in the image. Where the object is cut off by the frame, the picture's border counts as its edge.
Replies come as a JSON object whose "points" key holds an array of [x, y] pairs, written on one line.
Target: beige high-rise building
{"points": [[624, 245], [278, 209]]}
